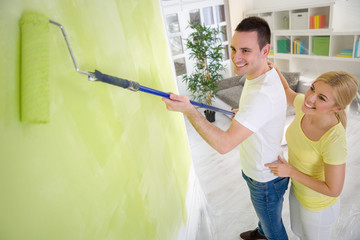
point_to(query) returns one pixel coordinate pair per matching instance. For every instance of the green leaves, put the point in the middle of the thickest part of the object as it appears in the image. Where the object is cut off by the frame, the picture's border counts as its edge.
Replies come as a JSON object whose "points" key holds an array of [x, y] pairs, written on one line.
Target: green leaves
{"points": [[206, 49]]}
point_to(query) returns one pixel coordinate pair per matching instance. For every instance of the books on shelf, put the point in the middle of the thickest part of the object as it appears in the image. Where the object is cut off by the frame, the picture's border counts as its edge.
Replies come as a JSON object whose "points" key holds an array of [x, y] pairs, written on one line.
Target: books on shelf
{"points": [[345, 53], [357, 49], [271, 53], [299, 47], [317, 21]]}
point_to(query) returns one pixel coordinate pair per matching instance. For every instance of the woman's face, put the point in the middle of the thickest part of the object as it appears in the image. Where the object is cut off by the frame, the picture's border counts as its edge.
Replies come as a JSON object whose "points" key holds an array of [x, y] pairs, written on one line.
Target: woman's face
{"points": [[319, 100]]}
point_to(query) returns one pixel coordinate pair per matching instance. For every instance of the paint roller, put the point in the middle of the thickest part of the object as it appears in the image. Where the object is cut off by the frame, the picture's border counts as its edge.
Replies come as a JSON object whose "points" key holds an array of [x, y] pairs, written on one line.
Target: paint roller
{"points": [[34, 82], [34, 89]]}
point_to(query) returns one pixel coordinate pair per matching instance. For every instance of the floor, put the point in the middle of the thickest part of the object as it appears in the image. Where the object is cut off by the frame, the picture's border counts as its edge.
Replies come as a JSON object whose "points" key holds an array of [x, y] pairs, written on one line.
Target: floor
{"points": [[228, 211]]}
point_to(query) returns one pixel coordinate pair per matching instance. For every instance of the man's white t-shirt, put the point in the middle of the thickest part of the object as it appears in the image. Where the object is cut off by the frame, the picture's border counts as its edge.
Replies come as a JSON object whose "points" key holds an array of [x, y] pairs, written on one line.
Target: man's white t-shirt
{"points": [[262, 109]]}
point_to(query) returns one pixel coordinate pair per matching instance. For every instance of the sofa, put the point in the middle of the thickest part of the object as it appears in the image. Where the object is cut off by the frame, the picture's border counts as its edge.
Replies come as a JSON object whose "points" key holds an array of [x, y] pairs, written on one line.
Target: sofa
{"points": [[229, 89]]}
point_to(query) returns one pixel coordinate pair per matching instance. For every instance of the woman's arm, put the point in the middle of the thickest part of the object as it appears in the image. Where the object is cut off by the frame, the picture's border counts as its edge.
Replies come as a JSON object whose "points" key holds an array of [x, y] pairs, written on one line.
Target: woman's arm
{"points": [[290, 94], [331, 186]]}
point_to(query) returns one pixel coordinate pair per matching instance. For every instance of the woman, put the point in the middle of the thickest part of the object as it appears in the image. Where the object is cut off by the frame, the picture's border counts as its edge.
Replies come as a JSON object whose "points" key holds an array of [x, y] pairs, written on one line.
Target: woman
{"points": [[317, 152]]}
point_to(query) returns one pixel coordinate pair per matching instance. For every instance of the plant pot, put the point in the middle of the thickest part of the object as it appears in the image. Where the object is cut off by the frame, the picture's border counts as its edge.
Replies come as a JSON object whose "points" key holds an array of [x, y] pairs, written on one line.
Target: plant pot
{"points": [[210, 115]]}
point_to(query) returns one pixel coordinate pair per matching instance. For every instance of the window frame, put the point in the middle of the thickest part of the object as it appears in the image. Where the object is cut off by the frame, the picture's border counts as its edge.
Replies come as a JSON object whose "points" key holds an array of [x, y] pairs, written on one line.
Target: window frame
{"points": [[182, 8]]}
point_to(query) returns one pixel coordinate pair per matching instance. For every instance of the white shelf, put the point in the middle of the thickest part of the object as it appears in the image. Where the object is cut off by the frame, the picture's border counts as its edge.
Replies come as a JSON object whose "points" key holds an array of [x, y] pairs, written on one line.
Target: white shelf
{"points": [[285, 56], [289, 24], [289, 56]]}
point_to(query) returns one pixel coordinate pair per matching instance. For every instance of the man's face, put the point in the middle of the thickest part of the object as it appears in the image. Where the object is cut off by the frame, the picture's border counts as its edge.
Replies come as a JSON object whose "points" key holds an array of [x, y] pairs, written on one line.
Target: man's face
{"points": [[246, 55]]}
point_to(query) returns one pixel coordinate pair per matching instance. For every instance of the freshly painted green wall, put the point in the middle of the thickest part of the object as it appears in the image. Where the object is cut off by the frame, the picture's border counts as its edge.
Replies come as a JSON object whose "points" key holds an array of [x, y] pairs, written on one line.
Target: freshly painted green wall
{"points": [[111, 164]]}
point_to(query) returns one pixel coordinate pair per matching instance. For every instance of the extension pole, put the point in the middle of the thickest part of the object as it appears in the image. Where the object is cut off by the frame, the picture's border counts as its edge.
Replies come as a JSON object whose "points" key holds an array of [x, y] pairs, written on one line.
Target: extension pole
{"points": [[135, 86]]}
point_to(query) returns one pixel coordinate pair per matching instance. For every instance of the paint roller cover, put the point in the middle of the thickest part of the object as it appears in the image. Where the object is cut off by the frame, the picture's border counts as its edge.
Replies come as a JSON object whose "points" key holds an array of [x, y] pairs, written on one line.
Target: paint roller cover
{"points": [[35, 107]]}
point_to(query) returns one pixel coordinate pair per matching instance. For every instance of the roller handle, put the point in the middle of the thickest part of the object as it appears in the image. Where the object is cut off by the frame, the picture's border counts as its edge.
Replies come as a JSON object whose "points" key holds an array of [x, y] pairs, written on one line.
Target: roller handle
{"points": [[134, 86], [120, 82]]}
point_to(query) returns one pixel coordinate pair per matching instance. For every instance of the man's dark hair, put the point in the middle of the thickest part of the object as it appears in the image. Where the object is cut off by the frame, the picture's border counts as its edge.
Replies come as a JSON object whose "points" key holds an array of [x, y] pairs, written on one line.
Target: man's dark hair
{"points": [[256, 24]]}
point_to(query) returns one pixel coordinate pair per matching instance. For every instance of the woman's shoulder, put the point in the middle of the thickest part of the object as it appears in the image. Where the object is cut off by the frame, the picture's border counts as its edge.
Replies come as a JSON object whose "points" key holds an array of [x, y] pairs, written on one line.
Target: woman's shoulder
{"points": [[298, 102], [336, 132], [335, 137], [334, 146]]}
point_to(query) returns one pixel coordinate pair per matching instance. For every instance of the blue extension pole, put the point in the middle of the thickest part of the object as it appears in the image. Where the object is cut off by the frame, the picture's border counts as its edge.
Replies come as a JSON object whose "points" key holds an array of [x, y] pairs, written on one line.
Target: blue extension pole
{"points": [[166, 95], [134, 86]]}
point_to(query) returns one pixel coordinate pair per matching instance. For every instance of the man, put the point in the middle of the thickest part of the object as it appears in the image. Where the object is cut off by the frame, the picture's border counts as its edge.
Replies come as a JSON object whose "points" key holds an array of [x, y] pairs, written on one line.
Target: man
{"points": [[257, 126]]}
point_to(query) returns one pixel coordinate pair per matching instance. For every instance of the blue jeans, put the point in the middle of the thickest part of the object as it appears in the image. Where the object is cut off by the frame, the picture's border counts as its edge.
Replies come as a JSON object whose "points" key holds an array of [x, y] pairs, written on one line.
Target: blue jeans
{"points": [[267, 199]]}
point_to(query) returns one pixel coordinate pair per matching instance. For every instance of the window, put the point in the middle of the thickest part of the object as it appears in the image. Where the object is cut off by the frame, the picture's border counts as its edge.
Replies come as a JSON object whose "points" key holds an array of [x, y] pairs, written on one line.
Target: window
{"points": [[172, 23], [226, 52], [220, 13], [208, 16], [221, 21], [178, 14], [180, 67], [176, 43], [223, 34], [195, 16]]}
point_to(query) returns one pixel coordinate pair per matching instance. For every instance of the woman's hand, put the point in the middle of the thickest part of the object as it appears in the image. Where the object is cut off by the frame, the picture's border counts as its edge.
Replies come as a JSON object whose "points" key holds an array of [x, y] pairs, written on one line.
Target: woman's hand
{"points": [[270, 64], [282, 169], [234, 111]]}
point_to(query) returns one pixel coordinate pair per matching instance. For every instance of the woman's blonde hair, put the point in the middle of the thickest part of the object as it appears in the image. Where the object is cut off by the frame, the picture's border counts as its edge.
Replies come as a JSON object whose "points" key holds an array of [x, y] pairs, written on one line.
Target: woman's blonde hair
{"points": [[345, 87]]}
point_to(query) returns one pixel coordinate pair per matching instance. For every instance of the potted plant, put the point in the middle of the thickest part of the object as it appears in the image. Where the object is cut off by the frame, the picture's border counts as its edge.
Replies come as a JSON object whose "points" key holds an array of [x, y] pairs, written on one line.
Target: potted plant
{"points": [[206, 50]]}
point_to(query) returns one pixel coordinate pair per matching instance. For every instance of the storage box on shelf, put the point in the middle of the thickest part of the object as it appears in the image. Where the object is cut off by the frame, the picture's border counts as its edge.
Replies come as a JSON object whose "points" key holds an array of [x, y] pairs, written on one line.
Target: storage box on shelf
{"points": [[299, 19], [321, 45], [283, 45]]}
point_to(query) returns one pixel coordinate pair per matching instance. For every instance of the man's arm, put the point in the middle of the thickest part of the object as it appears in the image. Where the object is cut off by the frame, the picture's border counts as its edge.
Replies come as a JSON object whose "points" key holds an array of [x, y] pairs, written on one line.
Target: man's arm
{"points": [[221, 141]]}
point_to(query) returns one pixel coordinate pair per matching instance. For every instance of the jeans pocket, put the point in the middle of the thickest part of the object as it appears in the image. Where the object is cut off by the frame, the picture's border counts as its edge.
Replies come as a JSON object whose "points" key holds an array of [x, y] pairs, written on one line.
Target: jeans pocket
{"points": [[255, 183], [280, 186]]}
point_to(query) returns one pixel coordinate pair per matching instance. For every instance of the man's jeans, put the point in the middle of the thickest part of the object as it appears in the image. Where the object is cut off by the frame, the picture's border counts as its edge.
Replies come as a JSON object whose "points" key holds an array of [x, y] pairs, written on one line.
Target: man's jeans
{"points": [[267, 199]]}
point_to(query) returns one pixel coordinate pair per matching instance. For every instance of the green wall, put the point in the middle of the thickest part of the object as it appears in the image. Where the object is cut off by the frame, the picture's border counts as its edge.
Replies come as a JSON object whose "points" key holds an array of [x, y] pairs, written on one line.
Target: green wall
{"points": [[111, 163]]}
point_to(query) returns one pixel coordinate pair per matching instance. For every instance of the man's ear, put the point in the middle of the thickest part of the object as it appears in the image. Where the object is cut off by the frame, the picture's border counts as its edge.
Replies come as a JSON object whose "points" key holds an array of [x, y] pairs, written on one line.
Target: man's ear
{"points": [[266, 50]]}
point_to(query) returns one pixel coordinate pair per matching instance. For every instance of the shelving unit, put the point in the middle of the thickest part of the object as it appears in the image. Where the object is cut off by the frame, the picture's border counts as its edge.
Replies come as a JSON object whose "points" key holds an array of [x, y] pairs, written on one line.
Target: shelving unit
{"points": [[310, 33]]}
